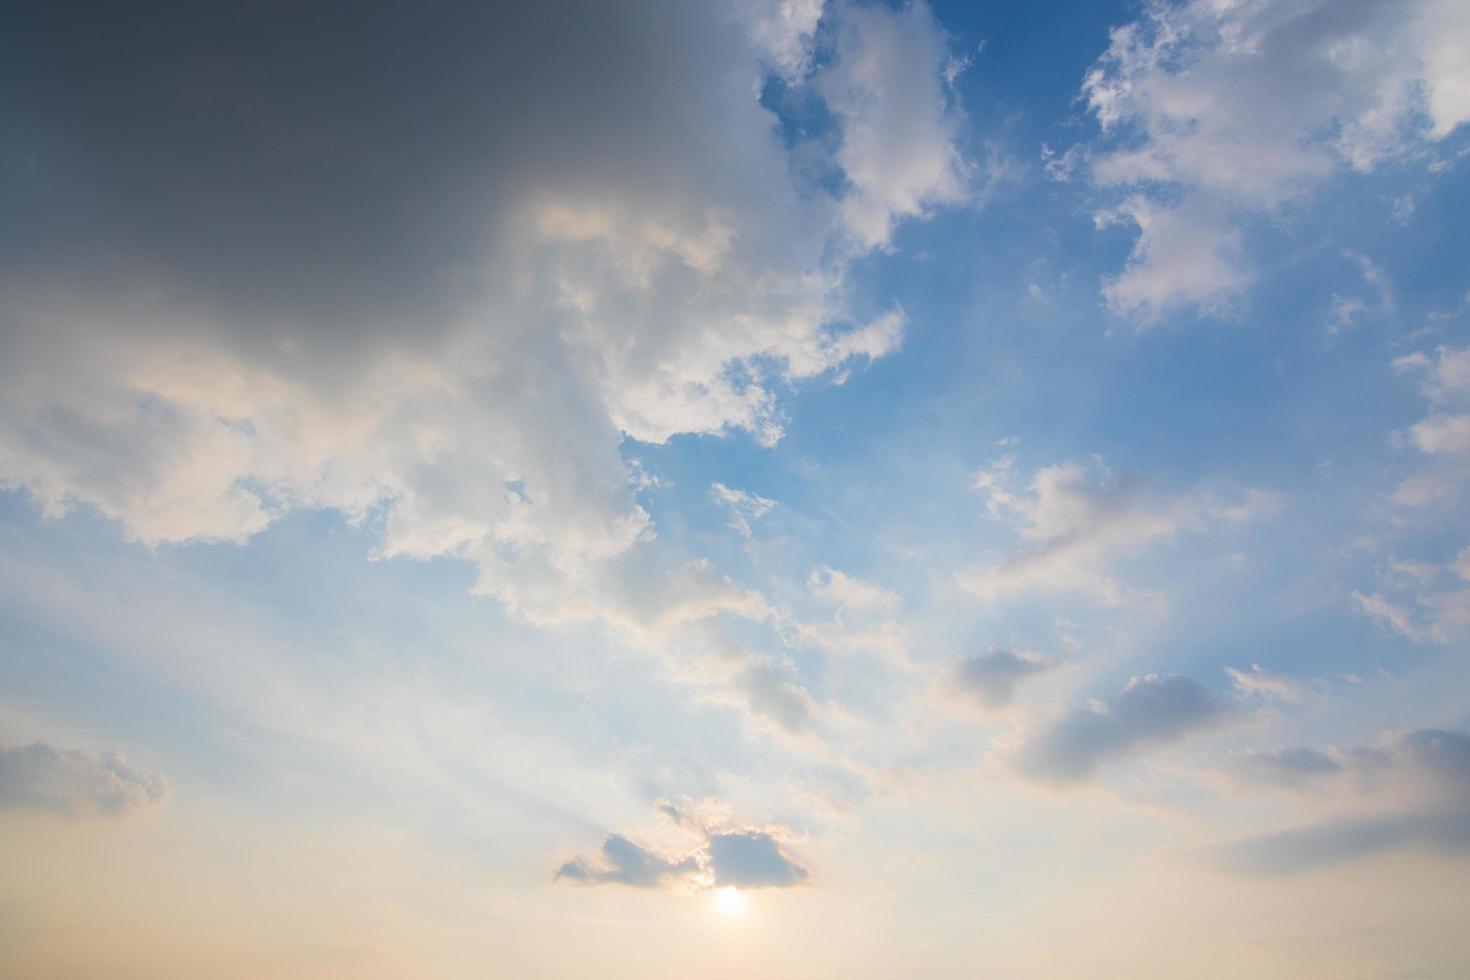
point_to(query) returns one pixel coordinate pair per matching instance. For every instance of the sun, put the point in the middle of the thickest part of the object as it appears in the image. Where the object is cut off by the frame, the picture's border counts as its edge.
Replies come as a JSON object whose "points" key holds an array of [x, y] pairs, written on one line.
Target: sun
{"points": [[730, 902]]}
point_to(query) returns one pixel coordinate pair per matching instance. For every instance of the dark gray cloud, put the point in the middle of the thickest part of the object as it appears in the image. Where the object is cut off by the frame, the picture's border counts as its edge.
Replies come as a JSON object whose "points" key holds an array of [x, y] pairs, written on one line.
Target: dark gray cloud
{"points": [[39, 777], [990, 678], [626, 863], [350, 164], [752, 859], [1418, 784], [377, 260], [1151, 710]]}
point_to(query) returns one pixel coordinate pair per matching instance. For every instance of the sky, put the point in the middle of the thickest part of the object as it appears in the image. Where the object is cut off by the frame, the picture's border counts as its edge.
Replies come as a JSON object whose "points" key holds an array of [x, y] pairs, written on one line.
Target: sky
{"points": [[783, 488]]}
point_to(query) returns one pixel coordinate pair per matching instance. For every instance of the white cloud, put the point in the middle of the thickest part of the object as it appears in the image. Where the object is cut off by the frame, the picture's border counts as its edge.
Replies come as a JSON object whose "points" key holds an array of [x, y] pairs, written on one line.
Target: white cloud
{"points": [[743, 506], [1213, 109], [1444, 434], [834, 588], [1075, 525], [1347, 309], [1272, 684], [1417, 607], [788, 34], [1187, 253], [899, 131]]}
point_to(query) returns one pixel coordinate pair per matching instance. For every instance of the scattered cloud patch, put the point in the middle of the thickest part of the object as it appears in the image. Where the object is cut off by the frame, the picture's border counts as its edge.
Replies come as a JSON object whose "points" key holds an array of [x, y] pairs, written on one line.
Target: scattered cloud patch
{"points": [[1212, 112], [1260, 682], [75, 784], [1074, 523], [1295, 769], [723, 855], [1150, 711], [744, 507], [990, 679]]}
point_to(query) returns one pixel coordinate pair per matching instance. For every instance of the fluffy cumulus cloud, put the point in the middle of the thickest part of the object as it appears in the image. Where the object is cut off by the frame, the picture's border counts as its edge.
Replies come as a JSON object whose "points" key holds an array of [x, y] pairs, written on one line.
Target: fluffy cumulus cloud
{"points": [[1409, 791], [886, 84], [1210, 111], [1074, 523], [432, 274], [990, 679], [1150, 711], [722, 856], [39, 777]]}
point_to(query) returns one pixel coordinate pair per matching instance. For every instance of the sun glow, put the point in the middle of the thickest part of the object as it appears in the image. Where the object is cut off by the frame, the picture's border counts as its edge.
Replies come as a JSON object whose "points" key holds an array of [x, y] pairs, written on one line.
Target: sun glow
{"points": [[730, 902]]}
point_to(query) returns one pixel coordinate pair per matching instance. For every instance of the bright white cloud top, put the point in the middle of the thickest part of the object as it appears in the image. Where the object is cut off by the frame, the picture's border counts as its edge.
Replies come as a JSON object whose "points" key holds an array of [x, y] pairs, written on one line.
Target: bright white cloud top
{"points": [[523, 489]]}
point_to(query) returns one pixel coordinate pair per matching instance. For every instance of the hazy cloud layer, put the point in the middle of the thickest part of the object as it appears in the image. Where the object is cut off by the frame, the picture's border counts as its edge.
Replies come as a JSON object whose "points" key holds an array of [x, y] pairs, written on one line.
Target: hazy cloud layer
{"points": [[991, 678], [1412, 792], [1150, 711], [39, 777]]}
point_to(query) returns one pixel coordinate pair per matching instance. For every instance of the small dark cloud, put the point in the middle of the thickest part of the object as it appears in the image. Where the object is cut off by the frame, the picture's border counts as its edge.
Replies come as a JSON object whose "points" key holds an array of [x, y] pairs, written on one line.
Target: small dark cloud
{"points": [[752, 859], [743, 857], [1151, 710], [626, 863], [991, 677], [39, 777]]}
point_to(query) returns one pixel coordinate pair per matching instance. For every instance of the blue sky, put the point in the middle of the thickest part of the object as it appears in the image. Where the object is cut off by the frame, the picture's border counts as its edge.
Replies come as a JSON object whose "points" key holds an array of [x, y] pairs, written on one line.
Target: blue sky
{"points": [[817, 489]]}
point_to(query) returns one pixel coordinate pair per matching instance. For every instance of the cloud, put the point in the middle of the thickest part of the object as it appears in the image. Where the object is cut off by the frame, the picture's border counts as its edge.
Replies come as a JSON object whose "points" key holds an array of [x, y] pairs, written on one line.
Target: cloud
{"points": [[39, 777], [1444, 434], [991, 678], [1296, 768], [772, 694], [1150, 711], [899, 131], [742, 857], [1185, 254], [1210, 112], [486, 262], [623, 862], [834, 588], [1415, 605], [1347, 309], [1419, 782], [752, 859], [1271, 684], [743, 506], [1075, 525]]}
